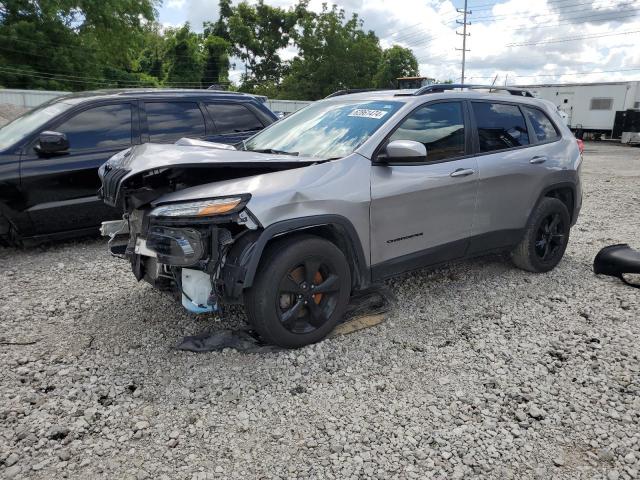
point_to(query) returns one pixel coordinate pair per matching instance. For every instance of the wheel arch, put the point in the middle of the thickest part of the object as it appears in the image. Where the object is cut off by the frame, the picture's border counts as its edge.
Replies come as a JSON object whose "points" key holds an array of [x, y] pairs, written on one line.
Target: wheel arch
{"points": [[563, 191], [245, 257]]}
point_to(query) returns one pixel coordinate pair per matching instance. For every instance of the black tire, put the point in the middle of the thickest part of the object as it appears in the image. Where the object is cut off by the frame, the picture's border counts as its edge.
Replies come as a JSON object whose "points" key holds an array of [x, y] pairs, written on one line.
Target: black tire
{"points": [[8, 235], [545, 238], [279, 304]]}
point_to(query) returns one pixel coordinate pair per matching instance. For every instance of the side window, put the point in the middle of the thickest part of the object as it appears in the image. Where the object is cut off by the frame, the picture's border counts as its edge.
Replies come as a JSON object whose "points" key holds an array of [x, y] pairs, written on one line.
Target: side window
{"points": [[439, 126], [542, 126], [233, 117], [99, 127], [500, 126], [170, 121]]}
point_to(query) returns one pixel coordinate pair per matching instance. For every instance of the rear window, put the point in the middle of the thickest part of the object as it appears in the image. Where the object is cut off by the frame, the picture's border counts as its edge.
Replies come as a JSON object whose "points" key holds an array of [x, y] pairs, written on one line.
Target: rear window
{"points": [[543, 127], [500, 126], [233, 118], [170, 121]]}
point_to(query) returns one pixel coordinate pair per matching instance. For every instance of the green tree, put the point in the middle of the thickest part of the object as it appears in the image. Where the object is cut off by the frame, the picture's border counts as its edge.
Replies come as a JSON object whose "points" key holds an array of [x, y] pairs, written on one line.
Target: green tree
{"points": [[257, 33], [151, 59], [334, 53], [396, 62], [183, 57], [66, 44], [216, 63]]}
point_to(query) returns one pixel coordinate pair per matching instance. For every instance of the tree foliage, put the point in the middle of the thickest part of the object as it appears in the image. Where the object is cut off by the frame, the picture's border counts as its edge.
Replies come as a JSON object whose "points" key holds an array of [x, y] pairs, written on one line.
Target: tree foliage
{"points": [[257, 33], [184, 57], [396, 62], [334, 53], [84, 44], [66, 43]]}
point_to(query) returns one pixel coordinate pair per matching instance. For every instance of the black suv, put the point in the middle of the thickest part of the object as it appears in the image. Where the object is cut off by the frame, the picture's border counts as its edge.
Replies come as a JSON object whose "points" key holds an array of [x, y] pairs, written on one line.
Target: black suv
{"points": [[49, 157]]}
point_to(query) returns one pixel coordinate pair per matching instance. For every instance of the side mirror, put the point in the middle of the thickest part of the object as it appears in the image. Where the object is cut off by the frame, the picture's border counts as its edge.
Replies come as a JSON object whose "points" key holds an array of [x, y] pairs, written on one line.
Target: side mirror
{"points": [[409, 150], [51, 143]]}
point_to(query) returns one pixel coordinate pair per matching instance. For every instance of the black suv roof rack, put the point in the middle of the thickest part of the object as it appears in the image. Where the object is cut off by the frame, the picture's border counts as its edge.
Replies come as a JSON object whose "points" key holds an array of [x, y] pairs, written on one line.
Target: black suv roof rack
{"points": [[348, 91], [441, 87]]}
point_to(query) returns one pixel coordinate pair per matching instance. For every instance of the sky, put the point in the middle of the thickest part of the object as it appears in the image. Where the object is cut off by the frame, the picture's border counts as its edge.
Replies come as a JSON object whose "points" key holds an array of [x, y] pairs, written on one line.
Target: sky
{"points": [[519, 41]]}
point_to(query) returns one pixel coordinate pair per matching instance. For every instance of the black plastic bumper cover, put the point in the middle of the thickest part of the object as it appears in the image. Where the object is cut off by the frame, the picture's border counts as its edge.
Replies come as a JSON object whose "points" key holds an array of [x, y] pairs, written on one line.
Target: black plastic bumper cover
{"points": [[616, 261]]}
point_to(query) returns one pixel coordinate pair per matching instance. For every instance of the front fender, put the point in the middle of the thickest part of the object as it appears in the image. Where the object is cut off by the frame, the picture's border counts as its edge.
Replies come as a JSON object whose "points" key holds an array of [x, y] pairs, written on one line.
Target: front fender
{"points": [[243, 259]]}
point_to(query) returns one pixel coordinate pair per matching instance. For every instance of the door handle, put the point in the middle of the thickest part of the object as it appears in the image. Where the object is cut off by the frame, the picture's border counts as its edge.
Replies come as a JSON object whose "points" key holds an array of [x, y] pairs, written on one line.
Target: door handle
{"points": [[462, 172], [538, 159]]}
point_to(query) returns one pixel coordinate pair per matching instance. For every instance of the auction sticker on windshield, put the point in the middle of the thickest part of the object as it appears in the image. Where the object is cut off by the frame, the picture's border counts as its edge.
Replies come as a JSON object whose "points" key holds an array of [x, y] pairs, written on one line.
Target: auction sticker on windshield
{"points": [[367, 113]]}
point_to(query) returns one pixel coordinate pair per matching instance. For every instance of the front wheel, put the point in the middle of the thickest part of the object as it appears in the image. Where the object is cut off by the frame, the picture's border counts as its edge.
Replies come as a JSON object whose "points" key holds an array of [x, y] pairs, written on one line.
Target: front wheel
{"points": [[545, 238], [301, 291]]}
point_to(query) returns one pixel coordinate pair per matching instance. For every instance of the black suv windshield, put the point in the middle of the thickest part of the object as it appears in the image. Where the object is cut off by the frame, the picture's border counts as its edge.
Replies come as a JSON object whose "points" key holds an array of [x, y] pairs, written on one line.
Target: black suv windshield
{"points": [[326, 129], [32, 120]]}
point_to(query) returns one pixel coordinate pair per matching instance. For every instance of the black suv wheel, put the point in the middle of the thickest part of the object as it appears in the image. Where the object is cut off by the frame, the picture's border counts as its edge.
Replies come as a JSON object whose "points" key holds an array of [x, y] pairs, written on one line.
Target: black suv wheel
{"points": [[301, 290], [546, 237]]}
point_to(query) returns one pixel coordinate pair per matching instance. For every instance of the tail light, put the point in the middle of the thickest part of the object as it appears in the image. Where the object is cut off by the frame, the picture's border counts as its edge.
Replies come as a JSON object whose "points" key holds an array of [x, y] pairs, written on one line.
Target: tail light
{"points": [[580, 145]]}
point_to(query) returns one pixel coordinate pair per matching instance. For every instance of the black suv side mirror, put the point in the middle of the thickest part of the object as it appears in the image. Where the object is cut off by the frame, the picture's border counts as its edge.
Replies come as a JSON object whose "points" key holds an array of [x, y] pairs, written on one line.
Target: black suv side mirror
{"points": [[51, 143]]}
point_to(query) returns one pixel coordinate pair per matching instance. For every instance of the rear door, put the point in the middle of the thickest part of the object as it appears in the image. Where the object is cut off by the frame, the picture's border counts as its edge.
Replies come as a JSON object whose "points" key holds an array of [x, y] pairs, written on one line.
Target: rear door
{"points": [[61, 190], [422, 213], [234, 122], [168, 121], [513, 160]]}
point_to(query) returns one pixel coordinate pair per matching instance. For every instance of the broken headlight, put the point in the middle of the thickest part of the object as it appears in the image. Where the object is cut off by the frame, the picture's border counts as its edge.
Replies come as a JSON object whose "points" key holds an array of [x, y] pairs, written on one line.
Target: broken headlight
{"points": [[202, 208], [176, 246]]}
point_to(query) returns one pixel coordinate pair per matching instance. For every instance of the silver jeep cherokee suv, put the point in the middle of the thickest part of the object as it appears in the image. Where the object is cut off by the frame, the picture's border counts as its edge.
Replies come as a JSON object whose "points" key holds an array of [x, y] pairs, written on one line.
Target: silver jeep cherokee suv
{"points": [[346, 192]]}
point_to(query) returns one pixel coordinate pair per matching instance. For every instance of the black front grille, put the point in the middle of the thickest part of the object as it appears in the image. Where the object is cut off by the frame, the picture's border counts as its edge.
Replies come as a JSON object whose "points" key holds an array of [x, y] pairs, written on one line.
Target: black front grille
{"points": [[111, 184]]}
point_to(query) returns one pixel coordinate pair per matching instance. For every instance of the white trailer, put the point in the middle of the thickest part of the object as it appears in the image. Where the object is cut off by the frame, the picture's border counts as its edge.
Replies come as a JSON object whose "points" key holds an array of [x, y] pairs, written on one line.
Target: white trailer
{"points": [[591, 107]]}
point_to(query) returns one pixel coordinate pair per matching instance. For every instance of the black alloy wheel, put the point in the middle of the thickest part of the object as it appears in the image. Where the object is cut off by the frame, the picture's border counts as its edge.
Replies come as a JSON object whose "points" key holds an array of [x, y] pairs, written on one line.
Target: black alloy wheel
{"points": [[307, 296], [300, 292], [545, 238], [550, 237]]}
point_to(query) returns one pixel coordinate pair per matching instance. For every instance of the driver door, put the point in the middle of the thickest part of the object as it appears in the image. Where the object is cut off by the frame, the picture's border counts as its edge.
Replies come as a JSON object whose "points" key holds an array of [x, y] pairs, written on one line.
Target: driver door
{"points": [[422, 213], [61, 189]]}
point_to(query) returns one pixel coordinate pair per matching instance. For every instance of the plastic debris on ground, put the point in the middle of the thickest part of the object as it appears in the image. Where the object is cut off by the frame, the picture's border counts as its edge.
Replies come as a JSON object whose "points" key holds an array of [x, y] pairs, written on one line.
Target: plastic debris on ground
{"points": [[366, 309]]}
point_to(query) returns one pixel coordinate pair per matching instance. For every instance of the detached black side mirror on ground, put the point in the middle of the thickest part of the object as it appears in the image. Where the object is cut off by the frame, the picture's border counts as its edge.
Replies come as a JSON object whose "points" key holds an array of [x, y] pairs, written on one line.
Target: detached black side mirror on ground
{"points": [[619, 261]]}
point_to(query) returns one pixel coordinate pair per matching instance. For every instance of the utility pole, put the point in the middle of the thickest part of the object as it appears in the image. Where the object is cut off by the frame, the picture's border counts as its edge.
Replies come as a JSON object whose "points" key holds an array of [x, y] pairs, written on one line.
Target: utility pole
{"points": [[464, 34]]}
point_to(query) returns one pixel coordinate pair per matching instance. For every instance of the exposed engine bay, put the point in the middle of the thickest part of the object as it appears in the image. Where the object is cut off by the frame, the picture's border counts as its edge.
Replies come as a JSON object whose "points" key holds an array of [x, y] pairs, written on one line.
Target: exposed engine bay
{"points": [[197, 255]]}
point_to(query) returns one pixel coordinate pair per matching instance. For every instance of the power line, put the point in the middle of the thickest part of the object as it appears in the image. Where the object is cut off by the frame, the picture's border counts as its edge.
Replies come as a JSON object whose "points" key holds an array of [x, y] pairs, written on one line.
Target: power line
{"points": [[407, 38], [570, 39], [591, 72], [92, 80]]}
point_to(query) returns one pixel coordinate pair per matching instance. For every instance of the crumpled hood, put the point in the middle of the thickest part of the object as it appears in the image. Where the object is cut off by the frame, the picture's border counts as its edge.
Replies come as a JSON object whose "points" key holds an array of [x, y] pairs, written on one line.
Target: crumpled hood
{"points": [[140, 174], [150, 156]]}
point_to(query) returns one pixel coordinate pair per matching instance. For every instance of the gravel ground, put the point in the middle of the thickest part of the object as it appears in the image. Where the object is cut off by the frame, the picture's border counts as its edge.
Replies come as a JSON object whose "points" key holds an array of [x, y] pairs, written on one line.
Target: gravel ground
{"points": [[481, 371], [9, 112]]}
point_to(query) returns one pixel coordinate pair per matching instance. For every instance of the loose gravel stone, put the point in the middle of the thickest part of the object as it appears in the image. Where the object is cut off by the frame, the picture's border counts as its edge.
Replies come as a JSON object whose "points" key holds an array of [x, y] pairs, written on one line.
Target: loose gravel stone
{"points": [[480, 371]]}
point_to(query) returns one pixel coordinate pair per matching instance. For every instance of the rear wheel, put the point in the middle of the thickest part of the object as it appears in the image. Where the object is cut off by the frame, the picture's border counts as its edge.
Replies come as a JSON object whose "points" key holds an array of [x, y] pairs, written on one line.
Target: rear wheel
{"points": [[8, 235], [545, 239], [301, 290]]}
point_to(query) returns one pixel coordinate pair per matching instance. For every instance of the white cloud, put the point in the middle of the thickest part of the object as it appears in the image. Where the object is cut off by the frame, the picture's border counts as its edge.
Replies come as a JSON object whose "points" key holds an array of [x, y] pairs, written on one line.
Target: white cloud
{"points": [[176, 3], [428, 27]]}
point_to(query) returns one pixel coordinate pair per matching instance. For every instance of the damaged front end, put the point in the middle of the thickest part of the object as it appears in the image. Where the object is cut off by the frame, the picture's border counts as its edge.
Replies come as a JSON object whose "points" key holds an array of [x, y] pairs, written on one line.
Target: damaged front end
{"points": [[183, 254], [193, 248]]}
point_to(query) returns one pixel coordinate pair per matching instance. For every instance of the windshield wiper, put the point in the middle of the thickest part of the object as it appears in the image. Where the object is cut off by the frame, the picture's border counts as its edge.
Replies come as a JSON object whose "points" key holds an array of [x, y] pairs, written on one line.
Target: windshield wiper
{"points": [[271, 150]]}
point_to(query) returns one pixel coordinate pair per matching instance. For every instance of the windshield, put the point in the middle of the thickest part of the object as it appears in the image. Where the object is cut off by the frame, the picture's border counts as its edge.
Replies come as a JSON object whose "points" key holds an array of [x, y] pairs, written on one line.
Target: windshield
{"points": [[327, 129], [32, 120]]}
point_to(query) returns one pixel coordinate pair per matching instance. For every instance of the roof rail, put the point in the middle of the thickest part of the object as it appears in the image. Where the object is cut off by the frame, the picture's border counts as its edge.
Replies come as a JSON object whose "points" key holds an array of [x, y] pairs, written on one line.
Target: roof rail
{"points": [[348, 91], [441, 87]]}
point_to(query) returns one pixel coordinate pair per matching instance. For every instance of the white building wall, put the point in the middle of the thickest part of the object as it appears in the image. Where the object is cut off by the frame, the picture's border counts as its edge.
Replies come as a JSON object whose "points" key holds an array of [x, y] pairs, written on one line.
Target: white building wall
{"points": [[27, 98]]}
